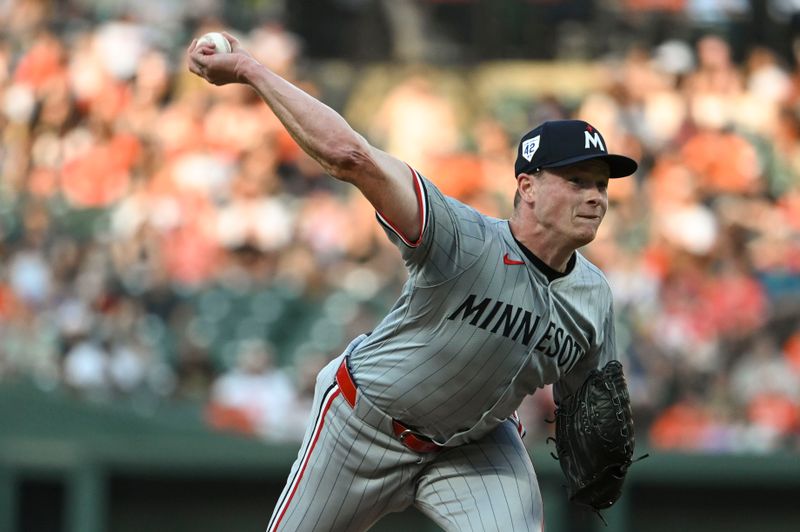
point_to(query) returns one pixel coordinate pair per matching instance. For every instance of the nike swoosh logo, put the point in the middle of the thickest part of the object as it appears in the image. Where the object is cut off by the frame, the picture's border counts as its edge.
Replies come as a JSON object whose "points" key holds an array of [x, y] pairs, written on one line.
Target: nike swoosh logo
{"points": [[511, 262]]}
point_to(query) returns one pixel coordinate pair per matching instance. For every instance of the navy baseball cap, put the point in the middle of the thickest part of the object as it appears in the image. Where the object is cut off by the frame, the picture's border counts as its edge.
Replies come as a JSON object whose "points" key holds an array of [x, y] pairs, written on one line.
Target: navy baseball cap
{"points": [[563, 142]]}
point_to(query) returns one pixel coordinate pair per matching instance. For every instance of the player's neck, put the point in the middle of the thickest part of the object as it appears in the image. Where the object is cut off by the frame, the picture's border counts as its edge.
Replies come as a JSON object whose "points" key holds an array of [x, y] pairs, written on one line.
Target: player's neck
{"points": [[550, 249]]}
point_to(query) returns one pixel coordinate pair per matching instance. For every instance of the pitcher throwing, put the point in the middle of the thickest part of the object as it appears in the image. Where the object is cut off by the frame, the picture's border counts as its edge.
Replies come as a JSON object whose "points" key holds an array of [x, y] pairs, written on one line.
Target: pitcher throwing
{"points": [[421, 411]]}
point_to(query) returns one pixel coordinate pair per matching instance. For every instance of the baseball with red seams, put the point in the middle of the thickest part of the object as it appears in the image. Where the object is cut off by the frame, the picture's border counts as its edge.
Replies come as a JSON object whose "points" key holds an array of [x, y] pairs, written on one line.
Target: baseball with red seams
{"points": [[220, 42]]}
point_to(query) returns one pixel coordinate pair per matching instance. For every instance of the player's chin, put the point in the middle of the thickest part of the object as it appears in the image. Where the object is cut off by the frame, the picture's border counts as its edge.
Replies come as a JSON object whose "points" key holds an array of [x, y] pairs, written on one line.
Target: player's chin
{"points": [[585, 235]]}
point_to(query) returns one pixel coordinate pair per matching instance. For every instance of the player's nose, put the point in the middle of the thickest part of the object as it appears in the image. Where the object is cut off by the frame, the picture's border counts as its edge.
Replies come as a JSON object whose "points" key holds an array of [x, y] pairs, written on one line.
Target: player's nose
{"points": [[596, 195], [593, 197]]}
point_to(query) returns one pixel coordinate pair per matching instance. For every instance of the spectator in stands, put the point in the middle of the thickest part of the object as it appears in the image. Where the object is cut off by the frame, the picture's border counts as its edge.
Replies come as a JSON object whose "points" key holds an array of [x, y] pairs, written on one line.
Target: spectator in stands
{"points": [[255, 396]]}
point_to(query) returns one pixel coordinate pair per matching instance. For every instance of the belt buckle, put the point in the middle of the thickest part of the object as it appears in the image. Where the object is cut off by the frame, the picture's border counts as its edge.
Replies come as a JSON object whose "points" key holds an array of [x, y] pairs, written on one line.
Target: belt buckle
{"points": [[422, 444], [403, 435]]}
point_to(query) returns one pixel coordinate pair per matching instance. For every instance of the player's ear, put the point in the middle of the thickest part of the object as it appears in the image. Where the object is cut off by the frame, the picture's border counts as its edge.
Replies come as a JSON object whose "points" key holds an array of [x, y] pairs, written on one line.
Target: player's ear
{"points": [[526, 188]]}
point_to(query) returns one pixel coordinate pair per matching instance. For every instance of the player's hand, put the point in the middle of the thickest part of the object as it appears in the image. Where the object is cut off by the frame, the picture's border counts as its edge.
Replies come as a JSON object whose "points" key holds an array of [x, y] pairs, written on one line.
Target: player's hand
{"points": [[219, 68]]}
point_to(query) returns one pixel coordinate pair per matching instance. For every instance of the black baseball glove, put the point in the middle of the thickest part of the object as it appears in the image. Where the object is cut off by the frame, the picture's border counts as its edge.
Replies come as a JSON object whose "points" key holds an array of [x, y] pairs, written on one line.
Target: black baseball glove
{"points": [[594, 438]]}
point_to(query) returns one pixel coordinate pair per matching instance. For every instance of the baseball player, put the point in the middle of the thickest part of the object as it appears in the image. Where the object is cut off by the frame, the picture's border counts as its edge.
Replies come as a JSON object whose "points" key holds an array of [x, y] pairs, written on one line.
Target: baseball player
{"points": [[421, 411]]}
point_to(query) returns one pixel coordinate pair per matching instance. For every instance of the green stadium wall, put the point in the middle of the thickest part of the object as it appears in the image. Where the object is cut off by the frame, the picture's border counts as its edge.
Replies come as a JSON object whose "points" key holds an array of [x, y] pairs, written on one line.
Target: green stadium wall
{"points": [[71, 465]]}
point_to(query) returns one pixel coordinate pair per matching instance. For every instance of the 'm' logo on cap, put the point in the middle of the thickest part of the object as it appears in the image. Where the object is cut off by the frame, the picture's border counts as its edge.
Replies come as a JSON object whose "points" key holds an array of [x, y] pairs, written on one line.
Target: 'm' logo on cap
{"points": [[529, 147], [594, 140]]}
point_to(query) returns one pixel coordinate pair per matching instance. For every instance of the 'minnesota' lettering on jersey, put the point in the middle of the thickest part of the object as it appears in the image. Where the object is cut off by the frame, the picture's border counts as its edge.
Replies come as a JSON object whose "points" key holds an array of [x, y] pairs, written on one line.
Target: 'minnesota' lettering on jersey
{"points": [[516, 322]]}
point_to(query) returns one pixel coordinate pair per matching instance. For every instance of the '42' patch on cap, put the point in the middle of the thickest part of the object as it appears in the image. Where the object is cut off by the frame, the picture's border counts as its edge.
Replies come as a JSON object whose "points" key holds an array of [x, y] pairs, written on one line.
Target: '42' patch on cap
{"points": [[530, 146]]}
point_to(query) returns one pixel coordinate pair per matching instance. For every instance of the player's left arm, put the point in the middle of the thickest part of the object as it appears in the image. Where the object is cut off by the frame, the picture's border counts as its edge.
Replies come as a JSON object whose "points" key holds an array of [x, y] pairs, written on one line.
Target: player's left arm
{"points": [[594, 433]]}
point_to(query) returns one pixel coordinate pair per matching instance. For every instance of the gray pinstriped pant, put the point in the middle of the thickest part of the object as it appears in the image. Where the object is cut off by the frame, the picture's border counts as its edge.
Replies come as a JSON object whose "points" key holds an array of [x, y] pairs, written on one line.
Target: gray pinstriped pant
{"points": [[351, 471]]}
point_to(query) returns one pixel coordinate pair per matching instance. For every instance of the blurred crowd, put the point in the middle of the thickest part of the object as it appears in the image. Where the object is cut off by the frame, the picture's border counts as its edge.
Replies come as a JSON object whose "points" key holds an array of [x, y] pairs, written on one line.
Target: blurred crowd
{"points": [[162, 239]]}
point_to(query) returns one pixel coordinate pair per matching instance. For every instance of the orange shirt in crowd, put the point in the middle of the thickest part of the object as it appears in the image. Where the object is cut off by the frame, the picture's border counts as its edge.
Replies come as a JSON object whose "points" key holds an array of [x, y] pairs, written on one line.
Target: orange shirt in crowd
{"points": [[724, 162], [101, 175], [776, 411], [681, 426], [675, 6], [42, 63]]}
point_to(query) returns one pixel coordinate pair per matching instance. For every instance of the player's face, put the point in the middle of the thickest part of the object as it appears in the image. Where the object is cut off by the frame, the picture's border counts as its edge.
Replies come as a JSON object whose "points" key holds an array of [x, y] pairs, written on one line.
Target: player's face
{"points": [[572, 200]]}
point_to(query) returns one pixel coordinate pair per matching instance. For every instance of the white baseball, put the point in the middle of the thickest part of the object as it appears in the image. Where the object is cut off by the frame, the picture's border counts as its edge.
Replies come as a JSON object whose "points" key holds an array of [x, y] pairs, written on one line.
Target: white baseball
{"points": [[220, 42]]}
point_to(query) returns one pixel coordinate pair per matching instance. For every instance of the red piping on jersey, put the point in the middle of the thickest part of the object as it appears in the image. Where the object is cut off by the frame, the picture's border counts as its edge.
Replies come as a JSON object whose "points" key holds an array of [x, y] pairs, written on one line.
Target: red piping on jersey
{"points": [[305, 459], [422, 214], [346, 384]]}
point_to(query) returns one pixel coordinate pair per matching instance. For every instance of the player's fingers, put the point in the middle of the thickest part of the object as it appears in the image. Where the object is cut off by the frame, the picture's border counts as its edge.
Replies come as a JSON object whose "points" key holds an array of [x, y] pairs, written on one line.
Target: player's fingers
{"points": [[206, 48], [191, 46], [190, 57], [197, 64], [235, 45], [194, 68]]}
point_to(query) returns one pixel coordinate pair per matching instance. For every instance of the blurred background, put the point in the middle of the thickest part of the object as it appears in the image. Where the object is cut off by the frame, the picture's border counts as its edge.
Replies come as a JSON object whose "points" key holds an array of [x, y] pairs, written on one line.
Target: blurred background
{"points": [[174, 270]]}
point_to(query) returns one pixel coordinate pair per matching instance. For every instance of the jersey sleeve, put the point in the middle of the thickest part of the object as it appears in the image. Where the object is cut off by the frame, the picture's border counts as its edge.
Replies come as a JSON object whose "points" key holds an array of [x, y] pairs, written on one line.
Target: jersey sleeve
{"points": [[451, 240]]}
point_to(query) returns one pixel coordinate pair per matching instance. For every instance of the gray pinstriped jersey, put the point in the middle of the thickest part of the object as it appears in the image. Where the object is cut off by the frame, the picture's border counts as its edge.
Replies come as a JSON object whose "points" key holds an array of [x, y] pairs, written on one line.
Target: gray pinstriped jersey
{"points": [[471, 334]]}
